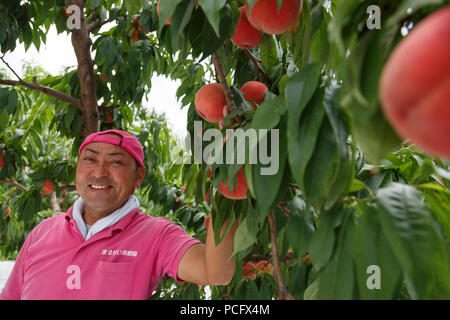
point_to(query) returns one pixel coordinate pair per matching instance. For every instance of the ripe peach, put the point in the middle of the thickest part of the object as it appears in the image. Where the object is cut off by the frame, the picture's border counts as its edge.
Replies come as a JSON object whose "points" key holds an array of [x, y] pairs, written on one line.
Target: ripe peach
{"points": [[265, 16], [246, 269], [264, 266], [254, 91], [48, 187], [2, 164], [209, 102], [245, 36], [239, 189], [415, 85], [108, 117], [135, 36]]}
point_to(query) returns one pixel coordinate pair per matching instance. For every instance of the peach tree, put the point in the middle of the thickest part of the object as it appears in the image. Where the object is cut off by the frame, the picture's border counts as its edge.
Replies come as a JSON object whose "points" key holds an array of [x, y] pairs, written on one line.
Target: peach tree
{"points": [[355, 210]]}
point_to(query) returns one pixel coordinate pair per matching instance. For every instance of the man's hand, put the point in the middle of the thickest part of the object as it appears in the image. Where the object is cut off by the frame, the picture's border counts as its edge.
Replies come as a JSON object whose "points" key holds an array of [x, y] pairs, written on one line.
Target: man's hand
{"points": [[210, 264]]}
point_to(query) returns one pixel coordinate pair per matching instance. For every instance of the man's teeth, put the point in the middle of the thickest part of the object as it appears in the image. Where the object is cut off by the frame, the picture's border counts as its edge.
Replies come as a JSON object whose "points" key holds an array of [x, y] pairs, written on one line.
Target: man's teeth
{"points": [[93, 186]]}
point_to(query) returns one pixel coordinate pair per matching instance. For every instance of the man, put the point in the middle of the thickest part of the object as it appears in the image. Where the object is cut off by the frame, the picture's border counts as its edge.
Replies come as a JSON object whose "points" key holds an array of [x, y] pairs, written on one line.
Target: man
{"points": [[103, 247]]}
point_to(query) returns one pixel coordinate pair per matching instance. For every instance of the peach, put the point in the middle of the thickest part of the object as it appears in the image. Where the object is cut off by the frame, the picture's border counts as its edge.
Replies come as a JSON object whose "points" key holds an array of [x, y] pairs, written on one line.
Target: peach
{"points": [[265, 16], [247, 268], [239, 189], [2, 164], [245, 36], [254, 92], [135, 36], [264, 266], [415, 85], [108, 117], [209, 102], [48, 187]]}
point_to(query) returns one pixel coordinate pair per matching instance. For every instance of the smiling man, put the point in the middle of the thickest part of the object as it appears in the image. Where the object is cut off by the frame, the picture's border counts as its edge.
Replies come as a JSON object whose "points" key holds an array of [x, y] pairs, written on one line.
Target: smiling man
{"points": [[103, 247]]}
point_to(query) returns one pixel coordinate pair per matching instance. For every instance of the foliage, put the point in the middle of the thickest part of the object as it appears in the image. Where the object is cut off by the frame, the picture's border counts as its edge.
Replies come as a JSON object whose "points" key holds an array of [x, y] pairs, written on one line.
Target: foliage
{"points": [[348, 193]]}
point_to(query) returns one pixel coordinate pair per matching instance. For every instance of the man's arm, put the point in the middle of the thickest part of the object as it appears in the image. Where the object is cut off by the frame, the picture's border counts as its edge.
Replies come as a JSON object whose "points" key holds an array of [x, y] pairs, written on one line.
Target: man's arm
{"points": [[210, 264]]}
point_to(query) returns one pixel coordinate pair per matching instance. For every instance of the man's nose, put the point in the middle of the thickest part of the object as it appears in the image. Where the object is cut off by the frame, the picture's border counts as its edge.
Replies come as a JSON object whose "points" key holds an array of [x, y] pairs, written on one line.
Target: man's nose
{"points": [[101, 170]]}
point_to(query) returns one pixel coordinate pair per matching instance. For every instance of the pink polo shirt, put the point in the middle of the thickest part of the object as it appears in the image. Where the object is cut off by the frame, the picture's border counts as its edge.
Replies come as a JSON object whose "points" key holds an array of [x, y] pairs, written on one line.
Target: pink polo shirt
{"points": [[124, 261]]}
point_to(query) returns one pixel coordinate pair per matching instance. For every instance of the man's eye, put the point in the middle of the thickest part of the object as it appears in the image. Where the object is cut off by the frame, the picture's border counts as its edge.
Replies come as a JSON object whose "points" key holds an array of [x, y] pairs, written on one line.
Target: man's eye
{"points": [[117, 162], [88, 159]]}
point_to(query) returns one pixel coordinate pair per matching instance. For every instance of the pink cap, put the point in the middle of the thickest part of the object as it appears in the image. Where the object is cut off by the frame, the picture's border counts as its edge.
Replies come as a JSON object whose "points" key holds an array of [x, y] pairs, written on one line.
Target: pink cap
{"points": [[127, 142]]}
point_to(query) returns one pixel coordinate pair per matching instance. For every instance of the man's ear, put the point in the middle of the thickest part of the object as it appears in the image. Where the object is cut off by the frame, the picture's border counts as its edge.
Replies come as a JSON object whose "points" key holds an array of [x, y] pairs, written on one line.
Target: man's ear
{"points": [[140, 175]]}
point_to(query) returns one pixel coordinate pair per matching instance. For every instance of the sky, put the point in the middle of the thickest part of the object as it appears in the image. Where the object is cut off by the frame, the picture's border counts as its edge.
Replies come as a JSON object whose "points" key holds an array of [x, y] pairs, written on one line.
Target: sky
{"points": [[58, 53]]}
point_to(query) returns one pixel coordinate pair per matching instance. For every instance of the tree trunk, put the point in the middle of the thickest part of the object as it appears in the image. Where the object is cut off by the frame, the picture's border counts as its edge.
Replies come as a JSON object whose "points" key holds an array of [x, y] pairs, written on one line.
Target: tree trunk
{"points": [[82, 47]]}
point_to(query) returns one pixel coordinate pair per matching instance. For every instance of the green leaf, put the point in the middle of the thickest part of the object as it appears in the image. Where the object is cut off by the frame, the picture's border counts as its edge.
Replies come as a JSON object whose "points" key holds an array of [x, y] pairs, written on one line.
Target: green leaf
{"points": [[320, 47], [322, 167], [408, 227], [408, 7], [300, 227], [356, 185], [376, 138], [322, 241], [340, 126], [336, 280], [361, 71], [12, 102], [245, 234], [298, 91], [180, 19], [301, 40], [370, 247], [95, 3], [4, 117], [269, 113], [267, 186], [132, 6], [439, 203], [312, 292], [212, 10]]}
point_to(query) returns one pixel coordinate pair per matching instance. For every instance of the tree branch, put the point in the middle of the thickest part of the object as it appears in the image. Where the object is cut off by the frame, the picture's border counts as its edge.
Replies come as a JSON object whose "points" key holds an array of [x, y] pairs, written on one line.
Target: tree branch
{"points": [[258, 67], [69, 187], [54, 204], [95, 24], [104, 108], [46, 90], [282, 206], [14, 183], [283, 294], [223, 81], [9, 67]]}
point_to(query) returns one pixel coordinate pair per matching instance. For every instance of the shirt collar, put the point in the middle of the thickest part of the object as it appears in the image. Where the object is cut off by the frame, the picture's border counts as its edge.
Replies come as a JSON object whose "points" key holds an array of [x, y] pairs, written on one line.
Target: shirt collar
{"points": [[117, 220]]}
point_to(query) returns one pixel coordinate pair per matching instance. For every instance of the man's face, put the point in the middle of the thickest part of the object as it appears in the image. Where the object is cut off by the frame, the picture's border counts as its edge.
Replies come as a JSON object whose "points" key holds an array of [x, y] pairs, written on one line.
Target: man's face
{"points": [[106, 177]]}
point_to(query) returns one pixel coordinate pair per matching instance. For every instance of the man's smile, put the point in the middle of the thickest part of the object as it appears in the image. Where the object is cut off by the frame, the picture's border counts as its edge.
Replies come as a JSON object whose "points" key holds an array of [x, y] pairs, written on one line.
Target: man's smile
{"points": [[100, 187]]}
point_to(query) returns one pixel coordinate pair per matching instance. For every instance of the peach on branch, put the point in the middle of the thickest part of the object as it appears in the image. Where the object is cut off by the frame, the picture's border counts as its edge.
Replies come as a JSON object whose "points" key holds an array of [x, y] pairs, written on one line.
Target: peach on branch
{"points": [[239, 189], [265, 16], [246, 36], [246, 271], [48, 187], [209, 102], [2, 164], [415, 85], [254, 92]]}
